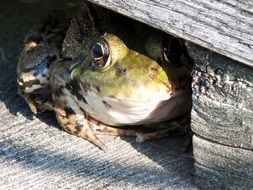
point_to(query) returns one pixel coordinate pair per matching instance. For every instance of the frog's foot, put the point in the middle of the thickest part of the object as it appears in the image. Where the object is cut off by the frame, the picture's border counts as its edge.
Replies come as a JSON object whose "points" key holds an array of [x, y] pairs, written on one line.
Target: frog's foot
{"points": [[30, 102], [157, 134], [77, 125], [177, 127], [44, 104], [144, 133], [102, 129], [36, 102], [162, 133]]}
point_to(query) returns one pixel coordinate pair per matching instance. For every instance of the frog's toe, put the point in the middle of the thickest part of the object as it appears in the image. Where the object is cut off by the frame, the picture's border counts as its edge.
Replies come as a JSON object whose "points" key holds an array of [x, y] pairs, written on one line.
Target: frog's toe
{"points": [[85, 132], [30, 102], [77, 125], [60, 111], [33, 107], [88, 135], [156, 134], [44, 104], [83, 129], [139, 137]]}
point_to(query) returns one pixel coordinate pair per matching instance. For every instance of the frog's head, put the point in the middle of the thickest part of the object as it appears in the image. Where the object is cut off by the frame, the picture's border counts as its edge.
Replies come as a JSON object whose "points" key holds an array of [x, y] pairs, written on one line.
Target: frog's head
{"points": [[114, 70], [118, 85]]}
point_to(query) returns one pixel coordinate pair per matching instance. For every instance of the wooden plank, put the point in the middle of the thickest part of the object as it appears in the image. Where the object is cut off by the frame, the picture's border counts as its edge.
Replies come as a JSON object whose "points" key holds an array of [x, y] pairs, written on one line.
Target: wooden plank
{"points": [[221, 167], [223, 26], [222, 98], [223, 158], [209, 179]]}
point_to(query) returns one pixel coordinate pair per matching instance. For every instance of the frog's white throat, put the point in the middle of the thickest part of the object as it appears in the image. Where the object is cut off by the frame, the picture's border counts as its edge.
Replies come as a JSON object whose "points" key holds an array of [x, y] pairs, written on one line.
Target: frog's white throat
{"points": [[117, 112]]}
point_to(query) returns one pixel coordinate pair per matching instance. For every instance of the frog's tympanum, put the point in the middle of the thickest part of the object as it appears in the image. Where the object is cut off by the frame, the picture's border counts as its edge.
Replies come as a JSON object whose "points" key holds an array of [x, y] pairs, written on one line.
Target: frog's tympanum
{"points": [[119, 83]]}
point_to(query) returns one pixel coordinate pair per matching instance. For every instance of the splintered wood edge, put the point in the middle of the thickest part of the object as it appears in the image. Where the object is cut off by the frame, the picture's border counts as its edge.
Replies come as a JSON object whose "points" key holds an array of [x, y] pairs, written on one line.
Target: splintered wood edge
{"points": [[221, 26]]}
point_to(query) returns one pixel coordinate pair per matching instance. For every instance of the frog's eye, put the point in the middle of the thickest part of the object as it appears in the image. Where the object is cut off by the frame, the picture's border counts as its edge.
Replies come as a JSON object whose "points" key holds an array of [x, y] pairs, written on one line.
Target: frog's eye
{"points": [[97, 51], [172, 49], [100, 54]]}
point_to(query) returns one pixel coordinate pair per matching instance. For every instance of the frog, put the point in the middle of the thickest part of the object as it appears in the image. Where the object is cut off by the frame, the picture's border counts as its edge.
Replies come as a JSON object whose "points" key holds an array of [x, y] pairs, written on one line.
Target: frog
{"points": [[42, 46], [118, 91], [110, 80]]}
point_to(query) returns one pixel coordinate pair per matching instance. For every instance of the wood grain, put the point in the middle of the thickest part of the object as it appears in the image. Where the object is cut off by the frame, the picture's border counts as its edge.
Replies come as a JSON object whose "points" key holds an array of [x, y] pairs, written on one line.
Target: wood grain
{"points": [[222, 167], [223, 26], [222, 98], [222, 118]]}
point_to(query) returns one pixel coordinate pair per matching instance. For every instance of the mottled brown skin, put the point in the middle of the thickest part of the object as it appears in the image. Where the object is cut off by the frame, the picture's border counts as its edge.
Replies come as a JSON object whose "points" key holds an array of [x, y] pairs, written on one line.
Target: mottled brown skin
{"points": [[42, 46]]}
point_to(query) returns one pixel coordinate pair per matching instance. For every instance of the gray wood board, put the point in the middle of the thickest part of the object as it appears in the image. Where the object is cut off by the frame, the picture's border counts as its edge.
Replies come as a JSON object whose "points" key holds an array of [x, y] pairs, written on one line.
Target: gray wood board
{"points": [[223, 26], [222, 98], [222, 167]]}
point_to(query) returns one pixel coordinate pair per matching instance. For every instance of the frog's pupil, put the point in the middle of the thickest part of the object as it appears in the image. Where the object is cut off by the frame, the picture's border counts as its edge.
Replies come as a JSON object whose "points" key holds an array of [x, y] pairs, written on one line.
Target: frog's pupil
{"points": [[97, 51]]}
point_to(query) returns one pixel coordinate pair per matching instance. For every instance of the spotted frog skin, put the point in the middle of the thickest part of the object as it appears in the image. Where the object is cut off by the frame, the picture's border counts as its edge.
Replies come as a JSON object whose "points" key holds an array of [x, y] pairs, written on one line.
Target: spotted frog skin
{"points": [[42, 46], [109, 80]]}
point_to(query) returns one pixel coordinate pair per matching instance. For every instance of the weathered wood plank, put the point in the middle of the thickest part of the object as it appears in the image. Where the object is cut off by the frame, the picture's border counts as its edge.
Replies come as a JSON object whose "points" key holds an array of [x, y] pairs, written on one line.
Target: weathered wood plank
{"points": [[222, 98], [223, 158], [222, 167], [223, 26], [209, 179]]}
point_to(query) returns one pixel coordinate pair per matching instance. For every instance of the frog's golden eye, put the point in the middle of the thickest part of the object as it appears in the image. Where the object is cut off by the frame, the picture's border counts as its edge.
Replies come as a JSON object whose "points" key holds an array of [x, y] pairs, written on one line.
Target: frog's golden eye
{"points": [[100, 54], [172, 49]]}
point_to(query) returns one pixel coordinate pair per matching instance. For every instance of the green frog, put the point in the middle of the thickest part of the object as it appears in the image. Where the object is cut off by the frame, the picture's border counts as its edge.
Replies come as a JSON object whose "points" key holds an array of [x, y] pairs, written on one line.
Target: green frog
{"points": [[114, 86], [118, 77]]}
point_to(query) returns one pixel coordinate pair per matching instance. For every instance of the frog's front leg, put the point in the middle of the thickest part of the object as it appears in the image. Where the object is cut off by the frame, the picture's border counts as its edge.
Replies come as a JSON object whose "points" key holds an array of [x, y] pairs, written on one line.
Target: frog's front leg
{"points": [[81, 125], [30, 102], [68, 113], [78, 125], [102, 129], [36, 102], [148, 131], [162, 133]]}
